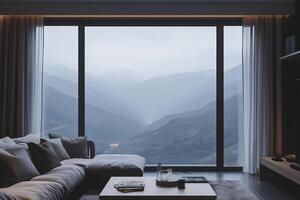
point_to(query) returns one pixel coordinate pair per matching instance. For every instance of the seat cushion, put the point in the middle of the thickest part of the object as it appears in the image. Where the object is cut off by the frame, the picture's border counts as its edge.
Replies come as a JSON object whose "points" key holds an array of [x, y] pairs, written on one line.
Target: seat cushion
{"points": [[36, 190], [69, 176], [102, 167], [83, 162], [117, 165], [5, 196]]}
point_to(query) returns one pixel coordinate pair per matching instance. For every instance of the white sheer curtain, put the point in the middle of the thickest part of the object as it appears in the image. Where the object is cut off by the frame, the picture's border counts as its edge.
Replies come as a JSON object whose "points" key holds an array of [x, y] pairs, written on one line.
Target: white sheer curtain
{"points": [[263, 38], [21, 54], [34, 79]]}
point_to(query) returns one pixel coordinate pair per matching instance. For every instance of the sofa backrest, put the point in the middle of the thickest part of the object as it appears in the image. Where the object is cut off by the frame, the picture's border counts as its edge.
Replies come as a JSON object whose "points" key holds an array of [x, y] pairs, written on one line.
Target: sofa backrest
{"points": [[35, 138]]}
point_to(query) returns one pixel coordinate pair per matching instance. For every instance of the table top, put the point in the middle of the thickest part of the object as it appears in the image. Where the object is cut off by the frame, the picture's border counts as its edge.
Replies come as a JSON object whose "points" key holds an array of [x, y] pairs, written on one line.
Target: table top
{"points": [[152, 191]]}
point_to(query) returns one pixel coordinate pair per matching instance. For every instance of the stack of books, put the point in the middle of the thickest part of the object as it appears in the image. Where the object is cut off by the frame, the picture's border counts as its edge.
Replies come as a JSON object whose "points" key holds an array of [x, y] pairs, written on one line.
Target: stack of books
{"points": [[130, 186]]}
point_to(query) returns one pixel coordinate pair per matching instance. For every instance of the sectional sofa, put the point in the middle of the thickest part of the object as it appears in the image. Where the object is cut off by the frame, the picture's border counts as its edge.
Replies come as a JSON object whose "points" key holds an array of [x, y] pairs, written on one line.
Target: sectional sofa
{"points": [[73, 176]]}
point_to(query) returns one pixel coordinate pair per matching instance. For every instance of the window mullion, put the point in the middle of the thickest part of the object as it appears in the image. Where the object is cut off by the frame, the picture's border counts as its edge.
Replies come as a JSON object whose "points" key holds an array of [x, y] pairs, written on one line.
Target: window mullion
{"points": [[220, 96], [81, 80]]}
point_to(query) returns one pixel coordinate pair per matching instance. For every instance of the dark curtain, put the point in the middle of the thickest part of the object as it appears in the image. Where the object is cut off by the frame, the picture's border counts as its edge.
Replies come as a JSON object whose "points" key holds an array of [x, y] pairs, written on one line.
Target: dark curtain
{"points": [[21, 53]]}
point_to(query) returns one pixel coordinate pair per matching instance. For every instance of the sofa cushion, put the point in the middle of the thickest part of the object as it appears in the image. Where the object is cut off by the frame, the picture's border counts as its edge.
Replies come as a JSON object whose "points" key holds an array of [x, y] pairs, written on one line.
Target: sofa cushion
{"points": [[76, 147], [6, 142], [15, 165], [34, 138], [69, 176], [104, 166], [36, 190], [117, 165], [6, 196], [58, 148], [43, 156], [83, 162]]}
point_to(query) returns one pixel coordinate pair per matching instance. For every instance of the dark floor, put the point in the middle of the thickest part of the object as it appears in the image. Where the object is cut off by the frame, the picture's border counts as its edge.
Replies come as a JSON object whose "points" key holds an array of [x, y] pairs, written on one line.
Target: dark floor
{"points": [[263, 190]]}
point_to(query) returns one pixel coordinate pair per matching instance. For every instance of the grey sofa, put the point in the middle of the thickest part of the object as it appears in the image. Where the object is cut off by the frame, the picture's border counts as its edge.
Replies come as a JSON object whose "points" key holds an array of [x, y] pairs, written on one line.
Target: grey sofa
{"points": [[70, 179]]}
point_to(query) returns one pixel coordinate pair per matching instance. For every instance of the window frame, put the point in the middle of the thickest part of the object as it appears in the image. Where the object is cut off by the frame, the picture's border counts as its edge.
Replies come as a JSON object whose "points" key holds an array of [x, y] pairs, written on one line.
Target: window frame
{"points": [[219, 23]]}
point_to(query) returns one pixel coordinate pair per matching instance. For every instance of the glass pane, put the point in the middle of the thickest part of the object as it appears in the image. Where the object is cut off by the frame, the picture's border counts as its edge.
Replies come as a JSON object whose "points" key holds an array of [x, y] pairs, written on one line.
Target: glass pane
{"points": [[151, 91], [60, 81], [233, 108]]}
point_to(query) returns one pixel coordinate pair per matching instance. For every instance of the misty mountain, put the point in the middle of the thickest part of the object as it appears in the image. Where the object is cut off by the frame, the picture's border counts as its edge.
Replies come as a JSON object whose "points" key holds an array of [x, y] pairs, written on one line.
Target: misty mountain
{"points": [[57, 70], [94, 96], [188, 137], [61, 116], [149, 100], [159, 96], [64, 86], [180, 108], [121, 77], [231, 90], [180, 92]]}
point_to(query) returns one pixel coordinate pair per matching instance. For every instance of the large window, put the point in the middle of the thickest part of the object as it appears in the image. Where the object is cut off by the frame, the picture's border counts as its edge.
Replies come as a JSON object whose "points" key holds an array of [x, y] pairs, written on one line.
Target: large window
{"points": [[60, 80], [233, 108], [151, 91], [147, 90]]}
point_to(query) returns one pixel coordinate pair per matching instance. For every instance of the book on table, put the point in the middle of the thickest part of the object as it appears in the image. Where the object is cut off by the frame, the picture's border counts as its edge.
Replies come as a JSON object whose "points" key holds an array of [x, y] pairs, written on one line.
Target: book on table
{"points": [[130, 186], [194, 179]]}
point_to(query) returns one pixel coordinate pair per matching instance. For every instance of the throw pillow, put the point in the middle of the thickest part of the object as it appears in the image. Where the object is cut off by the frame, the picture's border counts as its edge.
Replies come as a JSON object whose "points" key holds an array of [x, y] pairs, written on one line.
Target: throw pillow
{"points": [[43, 156], [15, 165], [58, 148], [34, 138], [6, 142], [76, 147]]}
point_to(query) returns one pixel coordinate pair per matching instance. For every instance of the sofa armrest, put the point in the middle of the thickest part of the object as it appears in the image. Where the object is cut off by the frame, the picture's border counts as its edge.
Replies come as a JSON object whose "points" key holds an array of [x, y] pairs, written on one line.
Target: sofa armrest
{"points": [[91, 149]]}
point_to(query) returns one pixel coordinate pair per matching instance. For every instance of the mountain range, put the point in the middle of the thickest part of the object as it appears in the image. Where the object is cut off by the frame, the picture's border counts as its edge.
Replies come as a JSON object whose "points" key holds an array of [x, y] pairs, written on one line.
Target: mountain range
{"points": [[61, 116], [188, 137], [173, 114]]}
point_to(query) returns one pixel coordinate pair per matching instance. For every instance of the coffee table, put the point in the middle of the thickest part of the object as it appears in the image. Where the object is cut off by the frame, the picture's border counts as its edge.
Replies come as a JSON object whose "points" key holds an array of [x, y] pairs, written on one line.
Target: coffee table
{"points": [[192, 191]]}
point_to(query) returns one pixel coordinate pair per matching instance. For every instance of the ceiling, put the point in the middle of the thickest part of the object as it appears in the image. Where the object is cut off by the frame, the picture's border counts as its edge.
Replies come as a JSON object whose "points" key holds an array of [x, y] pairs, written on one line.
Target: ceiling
{"points": [[147, 7]]}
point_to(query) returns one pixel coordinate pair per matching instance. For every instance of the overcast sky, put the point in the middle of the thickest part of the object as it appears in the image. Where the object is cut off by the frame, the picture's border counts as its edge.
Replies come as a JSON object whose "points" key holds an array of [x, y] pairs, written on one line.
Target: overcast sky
{"points": [[147, 51]]}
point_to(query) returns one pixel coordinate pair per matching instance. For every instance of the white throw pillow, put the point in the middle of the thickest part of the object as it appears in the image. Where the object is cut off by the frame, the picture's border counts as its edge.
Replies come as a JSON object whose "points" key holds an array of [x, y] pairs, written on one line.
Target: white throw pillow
{"points": [[34, 138], [6, 143]]}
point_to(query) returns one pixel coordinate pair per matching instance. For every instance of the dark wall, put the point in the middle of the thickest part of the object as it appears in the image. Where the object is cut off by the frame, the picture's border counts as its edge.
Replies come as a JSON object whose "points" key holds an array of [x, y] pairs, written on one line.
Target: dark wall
{"points": [[294, 24], [297, 23], [291, 105], [290, 99]]}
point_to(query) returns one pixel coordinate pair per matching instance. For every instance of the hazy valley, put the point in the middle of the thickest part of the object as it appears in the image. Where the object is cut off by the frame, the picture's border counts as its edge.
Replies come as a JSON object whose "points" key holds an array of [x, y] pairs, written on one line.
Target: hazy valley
{"points": [[169, 119]]}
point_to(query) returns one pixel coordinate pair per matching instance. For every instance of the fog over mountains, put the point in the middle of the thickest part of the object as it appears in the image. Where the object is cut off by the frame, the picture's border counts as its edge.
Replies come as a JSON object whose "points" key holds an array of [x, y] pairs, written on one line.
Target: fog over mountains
{"points": [[170, 119]]}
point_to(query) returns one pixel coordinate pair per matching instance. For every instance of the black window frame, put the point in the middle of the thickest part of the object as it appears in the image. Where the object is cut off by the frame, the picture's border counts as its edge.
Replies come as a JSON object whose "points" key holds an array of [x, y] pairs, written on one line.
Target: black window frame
{"points": [[219, 23]]}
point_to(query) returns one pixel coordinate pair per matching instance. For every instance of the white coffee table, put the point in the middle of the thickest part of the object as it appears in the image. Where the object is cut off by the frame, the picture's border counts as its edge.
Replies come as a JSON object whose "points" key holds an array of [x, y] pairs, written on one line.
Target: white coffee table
{"points": [[192, 191]]}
